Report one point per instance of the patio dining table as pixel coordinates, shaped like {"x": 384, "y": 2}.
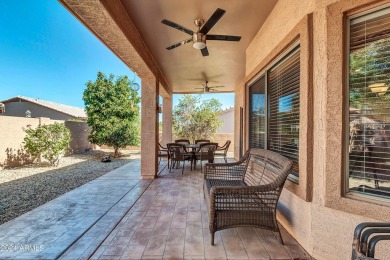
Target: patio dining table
{"x": 192, "y": 146}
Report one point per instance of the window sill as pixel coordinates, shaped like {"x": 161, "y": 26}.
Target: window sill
{"x": 294, "y": 179}
{"x": 361, "y": 205}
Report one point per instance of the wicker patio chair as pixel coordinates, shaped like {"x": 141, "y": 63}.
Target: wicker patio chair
{"x": 245, "y": 193}
{"x": 177, "y": 154}
{"x": 205, "y": 152}
{"x": 222, "y": 150}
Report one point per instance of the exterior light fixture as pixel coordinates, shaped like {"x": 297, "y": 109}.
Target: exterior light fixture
{"x": 135, "y": 86}
{"x": 28, "y": 113}
{"x": 378, "y": 88}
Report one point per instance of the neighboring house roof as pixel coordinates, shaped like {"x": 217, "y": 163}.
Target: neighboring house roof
{"x": 69, "y": 110}
{"x": 227, "y": 110}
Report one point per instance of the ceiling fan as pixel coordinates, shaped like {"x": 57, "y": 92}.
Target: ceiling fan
{"x": 200, "y": 36}
{"x": 208, "y": 89}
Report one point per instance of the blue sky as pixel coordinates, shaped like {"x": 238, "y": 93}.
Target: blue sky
{"x": 46, "y": 53}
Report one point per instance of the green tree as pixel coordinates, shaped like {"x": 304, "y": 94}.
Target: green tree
{"x": 369, "y": 65}
{"x": 113, "y": 111}
{"x": 47, "y": 141}
{"x": 196, "y": 119}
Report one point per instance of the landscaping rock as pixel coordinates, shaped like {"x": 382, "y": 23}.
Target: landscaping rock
{"x": 25, "y": 188}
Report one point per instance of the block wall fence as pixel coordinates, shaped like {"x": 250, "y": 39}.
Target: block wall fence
{"x": 12, "y": 152}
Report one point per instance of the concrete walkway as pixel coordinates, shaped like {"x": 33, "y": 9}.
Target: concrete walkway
{"x": 82, "y": 217}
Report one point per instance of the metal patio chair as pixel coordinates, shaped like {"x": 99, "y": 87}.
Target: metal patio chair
{"x": 222, "y": 150}
{"x": 178, "y": 153}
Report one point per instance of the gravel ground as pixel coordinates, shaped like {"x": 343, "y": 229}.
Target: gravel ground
{"x": 25, "y": 188}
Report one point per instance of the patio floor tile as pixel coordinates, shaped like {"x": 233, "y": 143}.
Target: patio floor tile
{"x": 163, "y": 219}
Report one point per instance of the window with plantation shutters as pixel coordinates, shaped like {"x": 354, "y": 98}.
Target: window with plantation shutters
{"x": 274, "y": 108}
{"x": 283, "y": 125}
{"x": 257, "y": 114}
{"x": 368, "y": 126}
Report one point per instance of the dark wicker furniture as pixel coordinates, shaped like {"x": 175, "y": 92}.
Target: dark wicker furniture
{"x": 245, "y": 193}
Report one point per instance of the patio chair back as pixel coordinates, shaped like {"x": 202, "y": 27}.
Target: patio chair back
{"x": 266, "y": 168}
{"x": 201, "y": 141}
{"x": 162, "y": 152}
{"x": 178, "y": 153}
{"x": 205, "y": 152}
{"x": 182, "y": 141}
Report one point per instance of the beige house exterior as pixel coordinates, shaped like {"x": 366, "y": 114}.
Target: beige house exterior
{"x": 316, "y": 210}
{"x": 227, "y": 116}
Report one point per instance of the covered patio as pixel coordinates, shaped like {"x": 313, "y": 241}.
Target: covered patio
{"x": 165, "y": 218}
{"x": 293, "y": 83}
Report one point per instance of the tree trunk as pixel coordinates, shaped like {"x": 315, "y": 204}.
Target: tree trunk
{"x": 116, "y": 153}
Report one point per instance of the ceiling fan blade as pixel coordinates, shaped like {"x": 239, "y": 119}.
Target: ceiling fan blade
{"x": 205, "y": 51}
{"x": 223, "y": 37}
{"x": 216, "y": 86}
{"x": 179, "y": 44}
{"x": 177, "y": 26}
{"x": 212, "y": 20}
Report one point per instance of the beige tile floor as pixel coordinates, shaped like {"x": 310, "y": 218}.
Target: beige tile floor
{"x": 170, "y": 221}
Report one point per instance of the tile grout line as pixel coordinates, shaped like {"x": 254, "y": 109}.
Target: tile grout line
{"x": 79, "y": 237}
{"x": 127, "y": 211}
{"x": 169, "y": 230}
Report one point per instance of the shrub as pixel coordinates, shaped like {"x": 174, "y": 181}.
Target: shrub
{"x": 47, "y": 141}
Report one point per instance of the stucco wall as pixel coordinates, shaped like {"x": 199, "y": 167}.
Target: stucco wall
{"x": 221, "y": 139}
{"x": 12, "y": 152}
{"x": 19, "y": 109}
{"x": 324, "y": 232}
{"x": 228, "y": 121}
{"x": 79, "y": 132}
{"x": 283, "y": 18}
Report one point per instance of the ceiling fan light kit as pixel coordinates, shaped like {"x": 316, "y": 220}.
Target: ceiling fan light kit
{"x": 199, "y": 41}
{"x": 199, "y": 38}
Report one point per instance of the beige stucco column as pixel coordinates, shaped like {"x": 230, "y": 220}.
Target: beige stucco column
{"x": 166, "y": 120}
{"x": 149, "y": 128}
